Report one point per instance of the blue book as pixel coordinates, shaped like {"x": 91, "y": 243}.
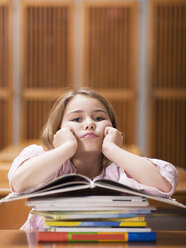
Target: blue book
{"x": 141, "y": 237}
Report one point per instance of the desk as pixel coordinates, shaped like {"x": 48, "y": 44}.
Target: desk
{"x": 20, "y": 239}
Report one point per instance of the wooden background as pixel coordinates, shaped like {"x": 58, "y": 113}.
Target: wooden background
{"x": 6, "y": 88}
{"x": 167, "y": 81}
{"x": 110, "y": 55}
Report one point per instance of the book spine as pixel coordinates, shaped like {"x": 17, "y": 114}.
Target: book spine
{"x": 96, "y": 237}
{"x": 96, "y": 223}
{"x": 142, "y": 237}
{"x": 97, "y": 229}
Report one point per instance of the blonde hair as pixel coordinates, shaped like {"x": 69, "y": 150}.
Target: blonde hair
{"x": 53, "y": 123}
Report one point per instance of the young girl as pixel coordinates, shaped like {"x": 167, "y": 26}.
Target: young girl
{"x": 82, "y": 137}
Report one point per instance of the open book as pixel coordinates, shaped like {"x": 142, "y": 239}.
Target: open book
{"x": 71, "y": 183}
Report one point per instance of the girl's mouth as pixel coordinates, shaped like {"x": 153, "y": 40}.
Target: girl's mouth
{"x": 89, "y": 135}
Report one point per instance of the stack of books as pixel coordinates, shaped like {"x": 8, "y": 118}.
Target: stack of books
{"x": 93, "y": 218}
{"x": 78, "y": 209}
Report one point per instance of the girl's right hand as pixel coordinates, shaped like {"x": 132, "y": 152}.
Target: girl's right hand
{"x": 63, "y": 136}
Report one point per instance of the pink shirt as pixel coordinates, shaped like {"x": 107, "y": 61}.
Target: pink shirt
{"x": 112, "y": 172}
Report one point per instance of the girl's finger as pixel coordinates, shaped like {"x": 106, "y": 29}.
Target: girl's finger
{"x": 106, "y": 131}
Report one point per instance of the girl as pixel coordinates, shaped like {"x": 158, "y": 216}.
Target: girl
{"x": 82, "y": 137}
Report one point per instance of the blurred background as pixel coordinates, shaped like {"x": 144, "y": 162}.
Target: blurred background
{"x": 132, "y": 52}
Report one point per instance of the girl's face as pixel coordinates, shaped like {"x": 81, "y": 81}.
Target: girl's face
{"x": 88, "y": 118}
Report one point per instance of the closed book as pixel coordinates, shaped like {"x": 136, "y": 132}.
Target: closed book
{"x": 96, "y": 223}
{"x": 90, "y": 200}
{"x": 98, "y": 229}
{"x": 96, "y": 237}
{"x": 67, "y": 215}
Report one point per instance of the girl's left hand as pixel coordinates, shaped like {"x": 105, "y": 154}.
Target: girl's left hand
{"x": 112, "y": 136}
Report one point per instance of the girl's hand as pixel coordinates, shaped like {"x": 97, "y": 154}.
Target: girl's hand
{"x": 112, "y": 136}
{"x": 63, "y": 136}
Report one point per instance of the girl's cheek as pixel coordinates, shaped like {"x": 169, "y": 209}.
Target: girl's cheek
{"x": 73, "y": 128}
{"x": 67, "y": 124}
{"x": 108, "y": 124}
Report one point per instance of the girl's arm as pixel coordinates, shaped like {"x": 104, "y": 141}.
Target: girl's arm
{"x": 140, "y": 169}
{"x": 38, "y": 169}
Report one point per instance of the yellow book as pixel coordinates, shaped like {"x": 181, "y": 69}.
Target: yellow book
{"x": 105, "y": 223}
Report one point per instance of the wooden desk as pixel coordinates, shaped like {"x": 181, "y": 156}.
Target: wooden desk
{"x": 13, "y": 214}
{"x": 16, "y": 238}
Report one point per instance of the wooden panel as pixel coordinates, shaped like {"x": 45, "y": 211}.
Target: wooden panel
{"x": 46, "y": 59}
{"x": 125, "y": 118}
{"x": 167, "y": 139}
{"x": 169, "y": 40}
{"x": 5, "y": 73}
{"x": 36, "y": 113}
{"x": 169, "y": 136}
{"x": 110, "y": 54}
{"x": 4, "y": 126}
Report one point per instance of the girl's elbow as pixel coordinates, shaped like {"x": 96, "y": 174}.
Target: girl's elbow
{"x": 166, "y": 186}
{"x": 17, "y": 183}
{"x": 15, "y": 186}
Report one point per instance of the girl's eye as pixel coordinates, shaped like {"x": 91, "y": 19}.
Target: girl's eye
{"x": 98, "y": 118}
{"x": 77, "y": 119}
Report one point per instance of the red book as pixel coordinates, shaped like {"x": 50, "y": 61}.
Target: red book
{"x": 96, "y": 237}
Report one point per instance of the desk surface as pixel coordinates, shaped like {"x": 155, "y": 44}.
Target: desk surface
{"x": 16, "y": 238}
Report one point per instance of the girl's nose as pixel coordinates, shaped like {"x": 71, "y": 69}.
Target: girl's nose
{"x": 90, "y": 125}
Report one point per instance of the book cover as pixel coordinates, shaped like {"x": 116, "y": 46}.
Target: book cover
{"x": 96, "y": 237}
{"x": 74, "y": 208}
{"x": 90, "y": 200}
{"x": 86, "y": 203}
{"x": 97, "y": 229}
{"x": 67, "y": 215}
{"x": 96, "y": 223}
